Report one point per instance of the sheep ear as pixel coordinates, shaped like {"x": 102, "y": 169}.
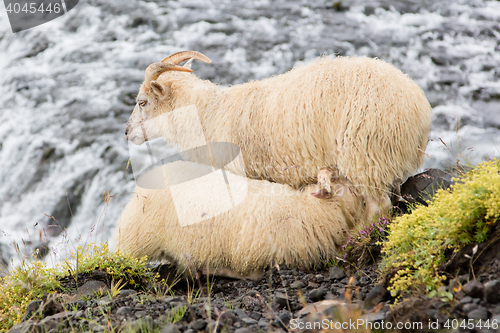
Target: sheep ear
{"x": 159, "y": 89}
{"x": 188, "y": 63}
{"x": 321, "y": 194}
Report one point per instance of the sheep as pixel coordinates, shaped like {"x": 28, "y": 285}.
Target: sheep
{"x": 359, "y": 118}
{"x": 272, "y": 224}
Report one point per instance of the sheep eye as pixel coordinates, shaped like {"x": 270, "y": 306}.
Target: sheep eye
{"x": 142, "y": 102}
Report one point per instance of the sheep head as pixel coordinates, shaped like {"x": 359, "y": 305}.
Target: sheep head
{"x": 153, "y": 94}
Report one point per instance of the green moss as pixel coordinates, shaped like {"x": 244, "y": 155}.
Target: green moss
{"x": 456, "y": 217}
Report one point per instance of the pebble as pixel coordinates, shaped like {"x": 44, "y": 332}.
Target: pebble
{"x": 466, "y": 299}
{"x": 336, "y": 273}
{"x": 283, "y": 320}
{"x": 378, "y": 294}
{"x": 170, "y": 328}
{"x": 492, "y": 291}
{"x": 317, "y": 294}
{"x": 249, "y": 321}
{"x": 91, "y": 288}
{"x": 469, "y": 307}
{"x": 473, "y": 289}
{"x": 126, "y": 292}
{"x": 297, "y": 285}
{"x": 198, "y": 324}
{"x": 31, "y": 309}
{"x": 480, "y": 313}
{"x": 124, "y": 311}
{"x": 241, "y": 330}
{"x": 280, "y": 301}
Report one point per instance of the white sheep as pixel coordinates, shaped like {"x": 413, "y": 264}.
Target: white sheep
{"x": 273, "y": 224}
{"x": 359, "y": 118}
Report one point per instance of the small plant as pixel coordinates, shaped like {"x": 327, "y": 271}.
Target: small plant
{"x": 116, "y": 287}
{"x": 176, "y": 314}
{"x": 369, "y": 235}
{"x": 26, "y": 282}
{"x": 418, "y": 242}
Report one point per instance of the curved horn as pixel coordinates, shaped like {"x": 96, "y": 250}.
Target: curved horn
{"x": 179, "y": 57}
{"x": 155, "y": 70}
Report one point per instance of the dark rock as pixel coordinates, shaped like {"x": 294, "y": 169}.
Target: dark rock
{"x": 436, "y": 315}
{"x": 50, "y": 307}
{"x": 283, "y": 320}
{"x": 28, "y": 326}
{"x": 317, "y": 294}
{"x": 255, "y": 315}
{"x": 31, "y": 309}
{"x": 378, "y": 294}
{"x": 469, "y": 307}
{"x": 99, "y": 275}
{"x": 124, "y": 311}
{"x": 473, "y": 289}
{"x": 48, "y": 325}
{"x": 466, "y": 299}
{"x": 140, "y": 314}
{"x": 249, "y": 321}
{"x": 422, "y": 187}
{"x": 364, "y": 281}
{"x": 80, "y": 304}
{"x": 244, "y": 330}
{"x": 240, "y": 313}
{"x": 170, "y": 328}
{"x": 336, "y": 273}
{"x": 227, "y": 319}
{"x": 263, "y": 322}
{"x": 312, "y": 285}
{"x": 91, "y": 288}
{"x": 190, "y": 314}
{"x": 297, "y": 285}
{"x": 480, "y": 313}
{"x": 492, "y": 291}
{"x": 198, "y": 325}
{"x": 105, "y": 301}
{"x": 280, "y": 301}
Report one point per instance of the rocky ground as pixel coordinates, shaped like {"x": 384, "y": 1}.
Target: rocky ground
{"x": 349, "y": 299}
{"x": 285, "y": 300}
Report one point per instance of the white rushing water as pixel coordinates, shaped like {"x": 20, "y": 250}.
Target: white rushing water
{"x": 67, "y": 89}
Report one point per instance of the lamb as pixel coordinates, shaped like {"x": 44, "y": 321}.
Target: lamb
{"x": 359, "y": 118}
{"x": 272, "y": 224}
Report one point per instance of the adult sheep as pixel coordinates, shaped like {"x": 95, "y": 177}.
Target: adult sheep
{"x": 273, "y": 224}
{"x": 357, "y": 118}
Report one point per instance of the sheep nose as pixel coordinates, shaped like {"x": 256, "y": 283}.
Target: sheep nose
{"x": 126, "y": 130}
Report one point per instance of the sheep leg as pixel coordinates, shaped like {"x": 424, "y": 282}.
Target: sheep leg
{"x": 325, "y": 181}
